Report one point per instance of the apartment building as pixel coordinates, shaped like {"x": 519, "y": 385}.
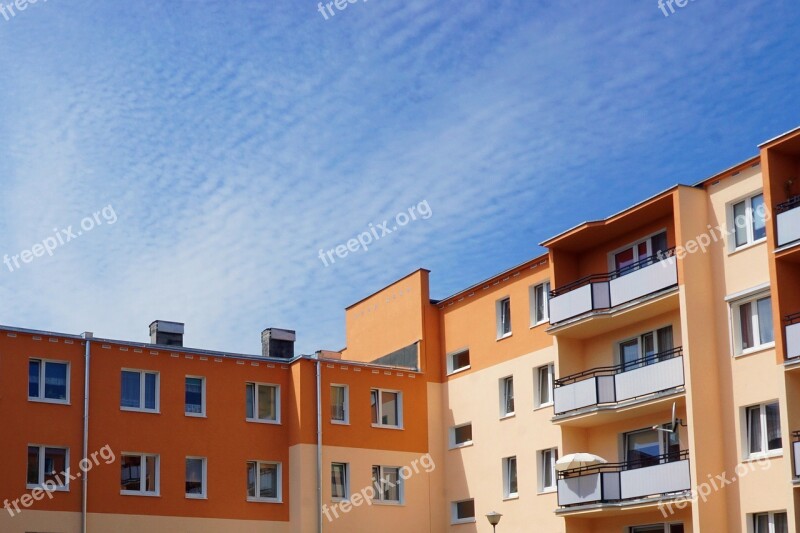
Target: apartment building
{"x": 641, "y": 376}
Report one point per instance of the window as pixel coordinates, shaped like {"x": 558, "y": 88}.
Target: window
{"x": 195, "y": 477}
{"x": 540, "y": 297}
{"x": 264, "y": 481}
{"x": 461, "y": 436}
{"x": 139, "y": 475}
{"x": 639, "y": 254}
{"x": 645, "y": 349}
{"x": 263, "y": 403}
{"x": 770, "y": 523}
{"x": 386, "y": 408}
{"x": 544, "y": 385}
{"x": 510, "y": 478}
{"x": 507, "y": 396}
{"x": 503, "y": 318}
{"x": 457, "y": 361}
{"x": 387, "y": 483}
{"x": 463, "y": 512}
{"x": 749, "y": 221}
{"x": 752, "y": 324}
{"x": 48, "y": 380}
{"x": 763, "y": 429}
{"x": 340, "y": 481}
{"x": 649, "y": 447}
{"x": 657, "y": 528}
{"x": 340, "y": 404}
{"x": 47, "y": 465}
{"x": 547, "y": 469}
{"x": 139, "y": 391}
{"x": 195, "y": 396}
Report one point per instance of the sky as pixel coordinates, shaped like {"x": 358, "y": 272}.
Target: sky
{"x": 188, "y": 160}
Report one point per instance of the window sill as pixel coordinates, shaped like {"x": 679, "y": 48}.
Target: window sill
{"x": 462, "y": 445}
{"x": 507, "y": 416}
{"x": 757, "y": 349}
{"x": 264, "y": 500}
{"x": 511, "y": 497}
{"x": 461, "y": 522}
{"x": 458, "y": 370}
{"x": 390, "y": 504}
{"x": 747, "y": 246}
{"x": 196, "y": 415}
{"x": 196, "y": 497}
{"x": 259, "y": 421}
{"x": 507, "y": 335}
{"x": 48, "y": 400}
{"x": 340, "y": 422}
{"x": 551, "y": 490}
{"x": 540, "y": 323}
{"x": 140, "y": 410}
{"x": 134, "y": 493}
{"x": 384, "y": 426}
{"x": 42, "y": 487}
{"x": 761, "y": 456}
{"x": 543, "y": 406}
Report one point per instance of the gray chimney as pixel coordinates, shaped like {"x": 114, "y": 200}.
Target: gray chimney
{"x": 278, "y": 343}
{"x": 166, "y": 333}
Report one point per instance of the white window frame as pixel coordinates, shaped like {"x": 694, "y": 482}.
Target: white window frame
{"x": 534, "y": 303}
{"x": 455, "y": 445}
{"x": 454, "y": 519}
{"x": 401, "y": 488}
{"x": 751, "y": 526}
{"x": 379, "y": 408}
{"x": 640, "y": 347}
{"x": 144, "y": 457}
{"x": 546, "y": 460}
{"x": 346, "y": 496}
{"x": 255, "y": 418}
{"x": 507, "y": 462}
{"x": 142, "y": 391}
{"x": 612, "y": 263}
{"x": 504, "y": 412}
{"x": 735, "y": 322}
{"x": 550, "y": 368}
{"x": 451, "y": 369}
{"x": 499, "y": 318}
{"x": 60, "y": 487}
{"x": 42, "y": 372}
{"x": 204, "y": 480}
{"x": 345, "y": 407}
{"x": 202, "y": 413}
{"x": 278, "y": 483}
{"x": 765, "y": 451}
{"x": 748, "y": 207}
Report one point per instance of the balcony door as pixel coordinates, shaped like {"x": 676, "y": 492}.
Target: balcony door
{"x": 644, "y": 349}
{"x": 629, "y": 258}
{"x": 650, "y": 447}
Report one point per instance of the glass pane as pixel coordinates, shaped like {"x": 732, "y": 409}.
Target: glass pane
{"x": 194, "y": 476}
{"x": 642, "y": 449}
{"x": 774, "y": 441}
{"x": 150, "y": 391}
{"x": 754, "y": 435}
{"x": 376, "y": 476}
{"x": 55, "y": 463}
{"x": 641, "y": 249}
{"x": 659, "y": 243}
{"x": 676, "y": 528}
{"x": 547, "y": 469}
{"x": 194, "y": 395}
{"x": 131, "y": 472}
{"x": 266, "y": 402}
{"x": 463, "y": 434}
{"x": 740, "y": 223}
{"x": 759, "y": 222}
{"x": 781, "y": 523}
{"x": 746, "y": 325}
{"x": 55, "y": 381}
{"x": 250, "y": 393}
{"x": 391, "y": 485}
{"x": 34, "y": 369}
{"x": 629, "y": 354}
{"x": 765, "y": 332}
{"x": 338, "y": 480}
{"x": 544, "y": 385}
{"x": 251, "y": 480}
{"x": 460, "y": 360}
{"x": 374, "y": 405}
{"x": 505, "y": 316}
{"x": 512, "y": 475}
{"x": 33, "y": 465}
{"x": 540, "y": 295}
{"x": 465, "y": 509}
{"x": 337, "y": 403}
{"x": 761, "y": 523}
{"x": 623, "y": 260}
{"x": 268, "y": 481}
{"x": 389, "y": 409}
{"x": 130, "y": 389}
{"x": 665, "y": 343}
{"x": 648, "y": 347}
{"x": 509, "y": 395}
{"x": 150, "y": 473}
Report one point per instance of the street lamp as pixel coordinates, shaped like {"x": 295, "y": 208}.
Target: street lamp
{"x": 494, "y": 519}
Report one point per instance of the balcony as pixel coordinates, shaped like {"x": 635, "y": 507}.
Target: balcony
{"x": 615, "y": 485}
{"x": 796, "y": 457}
{"x": 793, "y": 336}
{"x": 623, "y": 384}
{"x": 788, "y": 221}
{"x": 606, "y": 292}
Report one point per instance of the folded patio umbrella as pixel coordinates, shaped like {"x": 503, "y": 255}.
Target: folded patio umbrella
{"x": 579, "y": 460}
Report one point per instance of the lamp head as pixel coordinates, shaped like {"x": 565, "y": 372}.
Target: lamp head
{"x": 494, "y": 518}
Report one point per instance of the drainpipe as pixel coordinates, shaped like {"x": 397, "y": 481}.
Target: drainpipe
{"x": 319, "y": 446}
{"x": 84, "y": 481}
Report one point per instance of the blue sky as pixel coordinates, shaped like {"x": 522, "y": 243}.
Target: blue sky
{"x": 235, "y": 140}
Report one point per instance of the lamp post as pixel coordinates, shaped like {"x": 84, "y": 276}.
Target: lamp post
{"x": 494, "y": 519}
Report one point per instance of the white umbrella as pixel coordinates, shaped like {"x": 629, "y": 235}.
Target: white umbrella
{"x": 579, "y": 460}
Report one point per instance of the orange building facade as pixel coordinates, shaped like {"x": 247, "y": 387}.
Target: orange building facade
{"x": 642, "y": 376}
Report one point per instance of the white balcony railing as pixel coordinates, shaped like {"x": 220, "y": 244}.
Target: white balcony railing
{"x": 789, "y": 221}
{"x": 617, "y": 483}
{"x": 793, "y": 337}
{"x": 610, "y": 385}
{"x": 796, "y": 453}
{"x": 605, "y": 291}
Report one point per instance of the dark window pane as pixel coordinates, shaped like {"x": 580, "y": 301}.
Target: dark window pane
{"x": 130, "y": 389}
{"x": 131, "y": 472}
{"x": 150, "y": 391}
{"x": 34, "y": 371}
{"x": 55, "y": 381}
{"x": 33, "y": 465}
{"x": 194, "y": 395}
